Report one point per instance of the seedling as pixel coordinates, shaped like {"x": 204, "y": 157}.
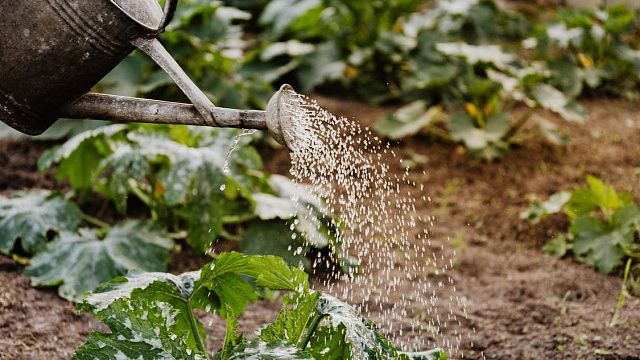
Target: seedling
{"x": 604, "y": 225}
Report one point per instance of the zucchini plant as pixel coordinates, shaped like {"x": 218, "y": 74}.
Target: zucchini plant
{"x": 479, "y": 103}
{"x": 47, "y": 225}
{"x": 604, "y": 225}
{"x": 189, "y": 181}
{"x": 591, "y": 50}
{"x": 151, "y": 316}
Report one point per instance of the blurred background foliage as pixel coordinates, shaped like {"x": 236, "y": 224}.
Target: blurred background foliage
{"x": 456, "y": 68}
{"x": 459, "y": 66}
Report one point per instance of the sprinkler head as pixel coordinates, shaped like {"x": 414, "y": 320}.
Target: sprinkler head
{"x": 280, "y": 117}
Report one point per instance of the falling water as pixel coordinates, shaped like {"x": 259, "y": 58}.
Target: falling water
{"x": 345, "y": 165}
{"x": 234, "y": 145}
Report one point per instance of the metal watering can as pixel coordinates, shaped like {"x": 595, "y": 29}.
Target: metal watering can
{"x": 53, "y": 51}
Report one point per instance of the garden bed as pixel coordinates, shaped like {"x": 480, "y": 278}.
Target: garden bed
{"x": 522, "y": 303}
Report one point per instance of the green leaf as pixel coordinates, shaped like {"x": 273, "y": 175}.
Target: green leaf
{"x": 219, "y": 286}
{"x": 485, "y": 142}
{"x": 553, "y": 99}
{"x": 296, "y": 321}
{"x": 79, "y": 157}
{"x": 259, "y": 350}
{"x": 539, "y": 210}
{"x": 29, "y": 216}
{"x": 330, "y": 343}
{"x": 603, "y": 244}
{"x": 598, "y": 195}
{"x": 491, "y": 54}
{"x": 408, "y": 120}
{"x": 327, "y": 328}
{"x": 322, "y": 66}
{"x": 124, "y": 165}
{"x": 551, "y": 132}
{"x": 366, "y": 342}
{"x": 176, "y": 290}
{"x": 274, "y": 237}
{"x": 558, "y": 246}
{"x": 280, "y": 14}
{"x": 231, "y": 338}
{"x": 223, "y": 278}
{"x": 81, "y": 261}
{"x": 140, "y": 329}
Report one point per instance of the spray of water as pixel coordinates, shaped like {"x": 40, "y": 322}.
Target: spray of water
{"x": 350, "y": 168}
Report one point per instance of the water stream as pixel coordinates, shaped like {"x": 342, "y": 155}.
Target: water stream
{"x": 234, "y": 145}
{"x": 403, "y": 283}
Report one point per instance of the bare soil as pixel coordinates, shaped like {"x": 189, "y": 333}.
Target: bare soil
{"x": 522, "y": 303}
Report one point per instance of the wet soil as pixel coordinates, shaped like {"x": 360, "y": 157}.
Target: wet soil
{"x": 522, "y": 303}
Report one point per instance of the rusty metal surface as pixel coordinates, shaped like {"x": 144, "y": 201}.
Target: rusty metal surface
{"x": 53, "y": 51}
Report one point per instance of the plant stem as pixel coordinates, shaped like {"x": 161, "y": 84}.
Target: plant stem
{"x": 195, "y": 330}
{"x": 306, "y": 335}
{"x": 436, "y": 131}
{"x": 97, "y": 222}
{"x": 228, "y": 236}
{"x": 622, "y": 296}
{"x": 237, "y": 219}
{"x": 521, "y": 121}
{"x": 135, "y": 189}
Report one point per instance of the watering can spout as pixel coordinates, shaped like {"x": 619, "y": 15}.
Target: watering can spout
{"x": 276, "y": 119}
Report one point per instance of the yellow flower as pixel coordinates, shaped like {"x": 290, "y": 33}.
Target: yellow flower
{"x": 350, "y": 71}
{"x": 471, "y": 109}
{"x": 585, "y": 60}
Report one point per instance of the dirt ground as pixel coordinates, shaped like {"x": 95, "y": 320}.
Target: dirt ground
{"x": 522, "y": 303}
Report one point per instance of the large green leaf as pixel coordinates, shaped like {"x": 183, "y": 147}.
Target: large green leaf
{"x": 126, "y": 302}
{"x": 124, "y": 165}
{"x": 140, "y": 329}
{"x": 408, "y": 120}
{"x": 224, "y": 279}
{"x": 310, "y": 325}
{"x": 485, "y": 142}
{"x": 280, "y": 14}
{"x": 603, "y": 244}
{"x": 29, "y": 216}
{"x": 553, "y": 99}
{"x": 274, "y": 237}
{"x": 327, "y": 328}
{"x": 79, "y": 262}
{"x": 491, "y": 54}
{"x": 598, "y": 195}
{"x": 79, "y": 157}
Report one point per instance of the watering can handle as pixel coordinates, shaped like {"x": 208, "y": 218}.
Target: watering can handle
{"x": 169, "y": 10}
{"x": 154, "y": 49}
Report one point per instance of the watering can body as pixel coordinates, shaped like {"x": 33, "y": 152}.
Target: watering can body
{"x": 53, "y": 51}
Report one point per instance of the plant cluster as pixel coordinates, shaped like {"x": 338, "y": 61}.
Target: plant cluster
{"x": 604, "y": 225}
{"x": 591, "y": 50}
{"x": 433, "y": 57}
{"x": 151, "y": 316}
{"x": 595, "y": 48}
{"x": 190, "y": 187}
